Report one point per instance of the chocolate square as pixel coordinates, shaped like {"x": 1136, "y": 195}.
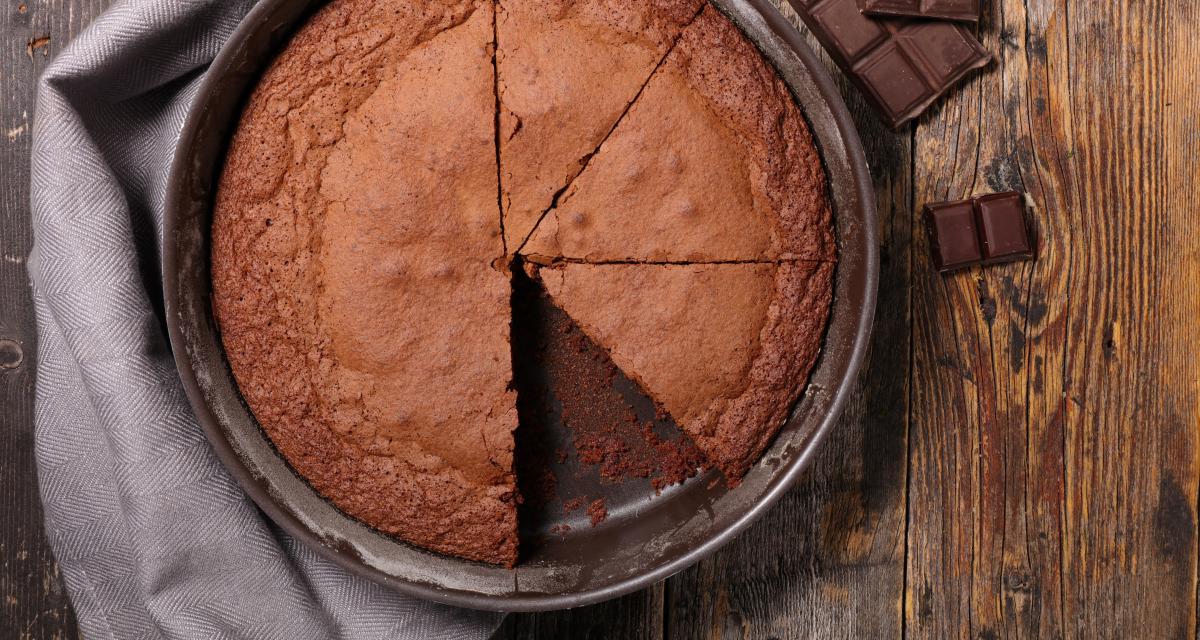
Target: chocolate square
{"x": 948, "y": 54}
{"x": 953, "y": 235}
{"x": 894, "y": 79}
{"x": 1003, "y": 228}
{"x": 857, "y": 33}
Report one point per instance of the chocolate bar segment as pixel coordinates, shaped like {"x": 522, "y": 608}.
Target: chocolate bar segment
{"x": 901, "y": 66}
{"x": 965, "y": 10}
{"x": 953, "y": 235}
{"x": 986, "y": 229}
{"x": 1003, "y": 229}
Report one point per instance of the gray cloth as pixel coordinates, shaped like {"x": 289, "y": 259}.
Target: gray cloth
{"x": 155, "y": 540}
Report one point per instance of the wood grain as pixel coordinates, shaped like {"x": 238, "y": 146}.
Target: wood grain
{"x": 33, "y": 603}
{"x": 1021, "y": 456}
{"x": 1054, "y": 477}
{"x": 638, "y": 616}
{"x": 1130, "y": 376}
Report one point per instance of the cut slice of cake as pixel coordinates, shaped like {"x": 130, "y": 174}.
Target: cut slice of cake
{"x": 568, "y": 70}
{"x": 713, "y": 163}
{"x": 726, "y": 349}
{"x": 354, "y": 231}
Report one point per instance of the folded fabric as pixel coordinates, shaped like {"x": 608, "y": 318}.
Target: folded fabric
{"x": 154, "y": 538}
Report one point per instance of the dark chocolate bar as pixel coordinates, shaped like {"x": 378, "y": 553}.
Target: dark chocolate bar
{"x": 965, "y": 10}
{"x": 986, "y": 229}
{"x": 901, "y": 66}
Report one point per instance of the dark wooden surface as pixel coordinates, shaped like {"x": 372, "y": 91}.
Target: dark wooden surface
{"x": 1021, "y": 458}
{"x": 33, "y": 602}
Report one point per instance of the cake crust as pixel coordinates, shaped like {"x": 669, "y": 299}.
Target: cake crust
{"x": 714, "y": 163}
{"x": 356, "y": 218}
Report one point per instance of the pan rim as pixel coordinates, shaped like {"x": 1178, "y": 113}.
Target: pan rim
{"x": 848, "y": 366}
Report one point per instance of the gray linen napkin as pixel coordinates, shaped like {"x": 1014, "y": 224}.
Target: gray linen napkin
{"x": 155, "y": 540}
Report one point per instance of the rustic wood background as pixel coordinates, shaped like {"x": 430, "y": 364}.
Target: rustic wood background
{"x": 1021, "y": 459}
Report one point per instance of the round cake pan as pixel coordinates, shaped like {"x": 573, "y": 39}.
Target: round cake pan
{"x": 646, "y": 537}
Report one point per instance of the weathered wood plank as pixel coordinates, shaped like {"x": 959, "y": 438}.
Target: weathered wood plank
{"x": 827, "y": 562}
{"x": 1132, "y": 403}
{"x": 638, "y": 616}
{"x": 33, "y": 603}
{"x": 1054, "y": 483}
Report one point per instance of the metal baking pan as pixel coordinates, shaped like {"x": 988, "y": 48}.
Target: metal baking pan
{"x": 646, "y": 537}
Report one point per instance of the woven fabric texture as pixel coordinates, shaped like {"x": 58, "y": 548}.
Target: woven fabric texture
{"x": 154, "y": 538}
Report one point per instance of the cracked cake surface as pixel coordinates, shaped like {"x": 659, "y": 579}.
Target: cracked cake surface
{"x": 714, "y": 163}
{"x": 384, "y": 177}
{"x": 568, "y": 70}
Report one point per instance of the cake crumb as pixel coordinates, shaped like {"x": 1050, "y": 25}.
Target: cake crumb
{"x": 597, "y": 511}
{"x": 574, "y": 504}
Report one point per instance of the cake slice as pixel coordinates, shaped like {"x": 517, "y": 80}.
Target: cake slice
{"x": 567, "y": 71}
{"x": 726, "y": 349}
{"x": 354, "y": 230}
{"x": 713, "y": 163}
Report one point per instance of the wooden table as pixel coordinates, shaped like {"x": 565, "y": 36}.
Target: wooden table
{"x": 1021, "y": 457}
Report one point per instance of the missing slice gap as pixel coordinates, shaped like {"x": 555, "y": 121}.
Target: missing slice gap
{"x": 496, "y": 120}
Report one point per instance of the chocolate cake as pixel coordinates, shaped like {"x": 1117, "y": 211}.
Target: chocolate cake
{"x": 383, "y": 178}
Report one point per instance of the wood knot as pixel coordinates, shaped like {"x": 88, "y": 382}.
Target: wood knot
{"x": 11, "y": 355}
{"x": 1112, "y": 340}
{"x": 1018, "y": 582}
